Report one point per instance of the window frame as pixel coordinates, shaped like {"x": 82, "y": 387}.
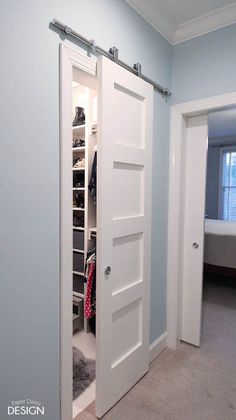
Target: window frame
{"x": 223, "y": 150}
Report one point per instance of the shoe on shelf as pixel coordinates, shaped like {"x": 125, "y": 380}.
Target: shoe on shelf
{"x": 75, "y": 143}
{"x": 79, "y": 200}
{"x": 78, "y": 143}
{"x": 78, "y": 221}
{"x": 79, "y": 184}
{"x": 80, "y": 163}
{"x": 79, "y": 116}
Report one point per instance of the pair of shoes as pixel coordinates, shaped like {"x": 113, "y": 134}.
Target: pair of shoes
{"x": 78, "y": 200}
{"x": 78, "y": 221}
{"x": 80, "y": 163}
{"x": 79, "y": 184}
{"x": 79, "y": 116}
{"x": 78, "y": 143}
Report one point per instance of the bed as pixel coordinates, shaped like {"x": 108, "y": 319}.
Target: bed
{"x": 220, "y": 247}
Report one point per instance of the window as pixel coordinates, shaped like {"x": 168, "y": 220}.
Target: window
{"x": 228, "y": 184}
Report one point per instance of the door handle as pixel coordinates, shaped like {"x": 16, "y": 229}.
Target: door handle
{"x": 195, "y": 245}
{"x": 107, "y": 270}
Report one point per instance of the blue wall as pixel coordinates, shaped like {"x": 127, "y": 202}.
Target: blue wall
{"x": 204, "y": 66}
{"x": 29, "y": 180}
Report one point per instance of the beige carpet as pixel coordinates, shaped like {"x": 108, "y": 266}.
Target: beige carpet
{"x": 190, "y": 383}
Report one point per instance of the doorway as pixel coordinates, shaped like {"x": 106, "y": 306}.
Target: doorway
{"x": 180, "y": 115}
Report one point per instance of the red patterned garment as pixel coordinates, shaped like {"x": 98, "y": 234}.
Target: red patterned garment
{"x": 88, "y": 307}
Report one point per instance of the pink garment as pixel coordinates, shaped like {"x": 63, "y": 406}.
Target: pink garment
{"x": 88, "y": 311}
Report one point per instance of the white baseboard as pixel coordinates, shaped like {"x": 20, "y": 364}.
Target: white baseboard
{"x": 157, "y": 346}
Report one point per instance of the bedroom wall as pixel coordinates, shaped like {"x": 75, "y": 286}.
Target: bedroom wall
{"x": 29, "y": 180}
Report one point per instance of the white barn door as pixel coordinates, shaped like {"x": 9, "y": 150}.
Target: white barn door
{"x": 193, "y": 228}
{"x": 125, "y": 120}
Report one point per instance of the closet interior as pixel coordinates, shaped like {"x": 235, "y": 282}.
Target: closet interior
{"x": 84, "y": 174}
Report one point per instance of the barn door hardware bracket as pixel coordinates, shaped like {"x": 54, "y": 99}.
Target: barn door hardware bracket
{"x": 138, "y": 69}
{"x": 112, "y": 54}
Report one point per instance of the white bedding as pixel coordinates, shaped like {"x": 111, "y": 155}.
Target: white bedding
{"x": 220, "y": 243}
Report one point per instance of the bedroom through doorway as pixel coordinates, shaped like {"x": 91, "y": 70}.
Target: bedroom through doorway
{"x": 219, "y": 270}
{"x": 207, "y": 243}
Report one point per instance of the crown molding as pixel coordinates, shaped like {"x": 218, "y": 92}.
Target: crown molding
{"x": 190, "y": 29}
{"x": 162, "y": 24}
{"x": 204, "y": 24}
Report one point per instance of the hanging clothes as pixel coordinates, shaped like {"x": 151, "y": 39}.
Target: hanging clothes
{"x": 90, "y": 297}
{"x": 93, "y": 180}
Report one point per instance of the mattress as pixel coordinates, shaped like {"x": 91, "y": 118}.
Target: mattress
{"x": 220, "y": 243}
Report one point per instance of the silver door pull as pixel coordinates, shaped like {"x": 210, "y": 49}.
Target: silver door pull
{"x": 107, "y": 270}
{"x": 195, "y": 245}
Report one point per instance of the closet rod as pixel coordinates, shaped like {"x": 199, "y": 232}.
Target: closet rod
{"x": 112, "y": 54}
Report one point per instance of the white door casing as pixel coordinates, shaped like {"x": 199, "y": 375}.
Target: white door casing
{"x": 179, "y": 114}
{"x": 194, "y": 187}
{"x": 125, "y": 120}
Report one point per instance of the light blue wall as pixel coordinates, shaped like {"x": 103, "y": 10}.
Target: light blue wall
{"x": 29, "y": 180}
{"x": 204, "y": 66}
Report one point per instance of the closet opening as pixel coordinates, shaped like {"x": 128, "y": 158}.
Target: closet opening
{"x": 84, "y": 195}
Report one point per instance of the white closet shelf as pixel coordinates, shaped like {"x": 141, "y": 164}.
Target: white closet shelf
{"x": 76, "y": 316}
{"x": 80, "y": 251}
{"x": 78, "y": 228}
{"x": 78, "y": 127}
{"x": 79, "y": 149}
{"x": 81, "y": 295}
{"x": 78, "y": 209}
{"x": 78, "y": 273}
{"x": 79, "y": 169}
{"x": 79, "y": 189}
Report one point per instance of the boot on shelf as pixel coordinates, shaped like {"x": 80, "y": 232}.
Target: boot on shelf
{"x": 79, "y": 116}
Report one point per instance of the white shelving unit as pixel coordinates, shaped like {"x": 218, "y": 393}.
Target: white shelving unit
{"x": 85, "y": 97}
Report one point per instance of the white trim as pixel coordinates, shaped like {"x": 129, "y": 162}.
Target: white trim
{"x": 177, "y": 126}
{"x": 209, "y": 22}
{"x": 157, "y": 346}
{"x": 68, "y": 59}
{"x": 165, "y": 25}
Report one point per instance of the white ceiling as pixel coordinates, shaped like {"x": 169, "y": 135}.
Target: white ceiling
{"x": 222, "y": 123}
{"x": 179, "y": 20}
